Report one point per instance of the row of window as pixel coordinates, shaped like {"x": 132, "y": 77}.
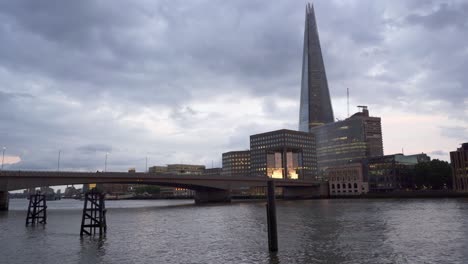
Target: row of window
{"x": 349, "y": 178}
{"x": 281, "y": 136}
{"x": 236, "y": 162}
{"x": 333, "y": 173}
{"x": 230, "y": 156}
{"x": 344, "y": 185}
{"x": 344, "y": 191}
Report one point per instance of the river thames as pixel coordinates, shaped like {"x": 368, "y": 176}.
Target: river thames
{"x": 177, "y": 231}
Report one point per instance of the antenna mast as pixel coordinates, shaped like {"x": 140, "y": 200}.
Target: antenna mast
{"x": 347, "y": 95}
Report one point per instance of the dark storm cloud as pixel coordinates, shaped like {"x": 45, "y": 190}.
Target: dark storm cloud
{"x": 446, "y": 15}
{"x": 110, "y": 47}
{"x": 106, "y": 49}
{"x": 88, "y": 76}
{"x": 95, "y": 148}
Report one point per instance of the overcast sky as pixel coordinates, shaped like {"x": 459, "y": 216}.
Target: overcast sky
{"x": 184, "y": 81}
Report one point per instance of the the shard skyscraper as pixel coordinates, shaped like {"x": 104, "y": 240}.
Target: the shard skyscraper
{"x": 315, "y": 108}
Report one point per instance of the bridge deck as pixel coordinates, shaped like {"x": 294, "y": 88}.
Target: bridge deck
{"x": 14, "y": 180}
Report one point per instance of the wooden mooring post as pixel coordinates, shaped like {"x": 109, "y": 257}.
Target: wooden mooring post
{"x": 37, "y": 209}
{"x": 271, "y": 217}
{"x": 94, "y": 214}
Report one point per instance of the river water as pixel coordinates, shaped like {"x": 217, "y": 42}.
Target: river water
{"x": 177, "y": 231}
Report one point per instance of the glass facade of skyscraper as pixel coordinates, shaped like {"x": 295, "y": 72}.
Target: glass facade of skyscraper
{"x": 357, "y": 137}
{"x": 315, "y": 107}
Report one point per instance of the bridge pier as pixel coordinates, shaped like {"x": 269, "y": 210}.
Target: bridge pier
{"x": 4, "y": 201}
{"x": 212, "y": 196}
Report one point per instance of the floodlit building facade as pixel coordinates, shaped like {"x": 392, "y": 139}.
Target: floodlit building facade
{"x": 283, "y": 154}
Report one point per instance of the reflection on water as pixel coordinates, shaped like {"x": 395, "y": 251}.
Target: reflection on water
{"x": 177, "y": 231}
{"x": 92, "y": 249}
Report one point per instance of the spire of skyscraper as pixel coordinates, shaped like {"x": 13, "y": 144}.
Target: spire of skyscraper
{"x": 315, "y": 108}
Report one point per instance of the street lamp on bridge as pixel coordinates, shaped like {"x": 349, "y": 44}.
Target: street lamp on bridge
{"x": 3, "y": 156}
{"x": 58, "y": 161}
{"x": 105, "y": 162}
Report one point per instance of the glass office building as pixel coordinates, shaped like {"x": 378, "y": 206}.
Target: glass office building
{"x": 392, "y": 172}
{"x": 315, "y": 107}
{"x": 357, "y": 137}
{"x": 283, "y": 154}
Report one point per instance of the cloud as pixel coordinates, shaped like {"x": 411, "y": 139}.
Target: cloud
{"x": 95, "y": 148}
{"x": 456, "y": 132}
{"x": 438, "y": 153}
{"x": 185, "y": 81}
{"x": 446, "y": 15}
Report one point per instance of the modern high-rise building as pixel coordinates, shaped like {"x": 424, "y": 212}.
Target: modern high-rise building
{"x": 459, "y": 161}
{"x": 315, "y": 108}
{"x": 236, "y": 163}
{"x": 357, "y": 137}
{"x": 283, "y": 154}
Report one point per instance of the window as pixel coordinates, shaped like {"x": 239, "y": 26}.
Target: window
{"x": 355, "y": 185}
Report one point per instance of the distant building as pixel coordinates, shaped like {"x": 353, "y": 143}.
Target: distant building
{"x": 236, "y": 163}
{"x": 185, "y": 168}
{"x": 357, "y": 137}
{"x": 392, "y": 172}
{"x": 171, "y": 192}
{"x": 72, "y": 192}
{"x": 346, "y": 180}
{"x": 178, "y": 169}
{"x": 283, "y": 154}
{"x": 117, "y": 188}
{"x": 459, "y": 161}
{"x": 46, "y": 190}
{"x": 213, "y": 172}
{"x": 182, "y": 192}
{"x": 157, "y": 169}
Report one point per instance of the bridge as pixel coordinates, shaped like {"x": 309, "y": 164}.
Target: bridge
{"x": 213, "y": 188}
